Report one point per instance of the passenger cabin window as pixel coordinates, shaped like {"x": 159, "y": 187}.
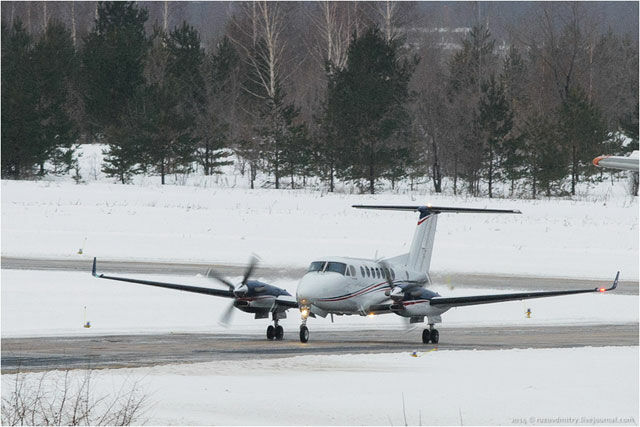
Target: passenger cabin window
{"x": 353, "y": 270}
{"x": 378, "y": 272}
{"x": 336, "y": 267}
{"x": 316, "y": 266}
{"x": 393, "y": 275}
{"x": 368, "y": 273}
{"x": 362, "y": 271}
{"x": 348, "y": 272}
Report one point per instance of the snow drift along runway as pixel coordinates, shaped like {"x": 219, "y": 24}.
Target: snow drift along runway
{"x": 593, "y": 386}
{"x": 558, "y": 238}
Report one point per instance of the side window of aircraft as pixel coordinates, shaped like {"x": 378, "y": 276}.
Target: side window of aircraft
{"x": 316, "y": 266}
{"x": 378, "y": 272}
{"x": 362, "y": 271}
{"x": 393, "y": 275}
{"x": 347, "y": 272}
{"x": 368, "y": 274}
{"x": 336, "y": 267}
{"x": 353, "y": 270}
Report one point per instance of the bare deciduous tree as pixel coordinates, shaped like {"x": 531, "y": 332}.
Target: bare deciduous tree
{"x": 48, "y": 399}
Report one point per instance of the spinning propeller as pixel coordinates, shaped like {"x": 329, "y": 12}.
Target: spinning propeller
{"x": 239, "y": 291}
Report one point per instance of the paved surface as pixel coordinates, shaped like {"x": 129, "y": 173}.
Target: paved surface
{"x": 462, "y": 280}
{"x": 45, "y": 353}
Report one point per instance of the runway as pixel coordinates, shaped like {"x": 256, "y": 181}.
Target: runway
{"x": 625, "y": 287}
{"x": 116, "y": 351}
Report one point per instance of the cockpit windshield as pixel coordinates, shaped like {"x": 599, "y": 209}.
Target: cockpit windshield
{"x": 316, "y": 266}
{"x": 337, "y": 267}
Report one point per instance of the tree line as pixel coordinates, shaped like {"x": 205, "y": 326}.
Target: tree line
{"x": 338, "y": 91}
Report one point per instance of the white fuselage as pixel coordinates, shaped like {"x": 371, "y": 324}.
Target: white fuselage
{"x": 353, "y": 286}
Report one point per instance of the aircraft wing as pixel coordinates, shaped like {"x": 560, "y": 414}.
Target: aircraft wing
{"x": 186, "y": 288}
{"x": 628, "y": 163}
{"x": 286, "y": 302}
{"x": 488, "y": 299}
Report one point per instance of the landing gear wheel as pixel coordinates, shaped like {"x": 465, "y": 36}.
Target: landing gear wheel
{"x": 435, "y": 336}
{"x": 271, "y": 332}
{"x": 304, "y": 334}
{"x": 279, "y": 332}
{"x": 426, "y": 336}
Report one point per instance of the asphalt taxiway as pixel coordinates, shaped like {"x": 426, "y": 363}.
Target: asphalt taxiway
{"x": 115, "y": 351}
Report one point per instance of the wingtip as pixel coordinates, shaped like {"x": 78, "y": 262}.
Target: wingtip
{"x": 93, "y": 270}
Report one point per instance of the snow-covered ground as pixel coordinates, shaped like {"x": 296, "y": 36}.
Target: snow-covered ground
{"x": 36, "y": 303}
{"x": 592, "y": 386}
{"x": 561, "y": 238}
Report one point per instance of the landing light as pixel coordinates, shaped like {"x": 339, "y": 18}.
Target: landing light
{"x": 305, "y": 313}
{"x": 371, "y": 315}
{"x": 601, "y": 289}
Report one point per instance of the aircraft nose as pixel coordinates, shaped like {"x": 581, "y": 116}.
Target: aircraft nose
{"x": 307, "y": 291}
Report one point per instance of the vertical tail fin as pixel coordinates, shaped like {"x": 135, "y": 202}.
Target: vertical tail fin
{"x": 419, "y": 256}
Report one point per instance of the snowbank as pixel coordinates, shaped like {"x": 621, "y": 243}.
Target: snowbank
{"x": 594, "y": 386}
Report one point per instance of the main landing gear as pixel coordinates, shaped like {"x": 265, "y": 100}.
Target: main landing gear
{"x": 430, "y": 334}
{"x": 275, "y": 330}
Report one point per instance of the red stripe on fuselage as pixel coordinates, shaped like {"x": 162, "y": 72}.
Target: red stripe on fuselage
{"x": 360, "y": 292}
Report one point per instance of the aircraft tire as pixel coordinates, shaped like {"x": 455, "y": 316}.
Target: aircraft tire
{"x": 271, "y": 332}
{"x": 279, "y": 332}
{"x": 435, "y": 336}
{"x": 426, "y": 336}
{"x": 304, "y": 334}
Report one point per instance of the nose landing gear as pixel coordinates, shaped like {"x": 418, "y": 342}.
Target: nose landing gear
{"x": 304, "y": 331}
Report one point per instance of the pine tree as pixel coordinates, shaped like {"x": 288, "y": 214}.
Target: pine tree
{"x": 469, "y": 68}
{"x": 54, "y": 63}
{"x": 583, "y": 131}
{"x": 215, "y": 121}
{"x": 496, "y": 121}
{"x": 367, "y": 107}
{"x": 20, "y": 120}
{"x": 546, "y": 159}
{"x": 113, "y": 61}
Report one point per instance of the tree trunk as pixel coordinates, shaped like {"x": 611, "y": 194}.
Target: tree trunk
{"x": 207, "y": 163}
{"x": 292, "y": 182}
{"x": 73, "y": 24}
{"x": 372, "y": 180}
{"x": 162, "y": 171}
{"x": 331, "y": 179}
{"x": 490, "y": 172}
{"x": 252, "y": 173}
{"x": 574, "y": 169}
{"x": 533, "y": 188}
{"x": 455, "y": 175}
{"x": 276, "y": 167}
{"x": 435, "y": 169}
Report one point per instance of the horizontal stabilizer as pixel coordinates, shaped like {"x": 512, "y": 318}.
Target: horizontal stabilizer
{"x": 427, "y": 209}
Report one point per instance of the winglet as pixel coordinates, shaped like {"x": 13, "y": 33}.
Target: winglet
{"x": 613, "y": 286}
{"x": 93, "y": 270}
{"x": 615, "y": 282}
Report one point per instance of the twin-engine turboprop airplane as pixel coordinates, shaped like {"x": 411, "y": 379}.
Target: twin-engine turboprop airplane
{"x": 358, "y": 286}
